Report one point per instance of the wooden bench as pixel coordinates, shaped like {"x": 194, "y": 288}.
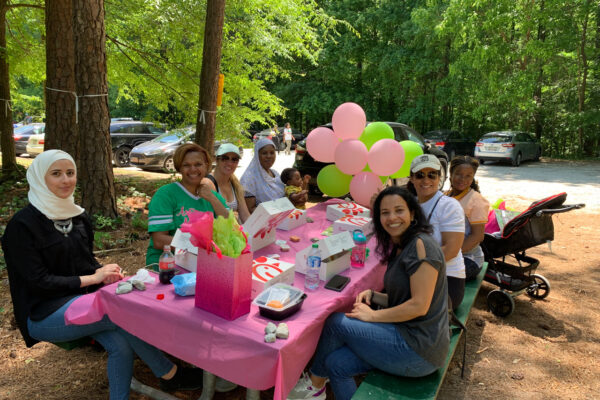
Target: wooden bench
{"x": 380, "y": 385}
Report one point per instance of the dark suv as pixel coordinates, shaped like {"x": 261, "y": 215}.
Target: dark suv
{"x": 125, "y": 135}
{"x": 307, "y": 165}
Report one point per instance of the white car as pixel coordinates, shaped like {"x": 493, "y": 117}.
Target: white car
{"x": 35, "y": 145}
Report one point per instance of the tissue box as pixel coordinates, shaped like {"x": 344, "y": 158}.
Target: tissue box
{"x": 350, "y": 223}
{"x": 260, "y": 226}
{"x": 293, "y": 220}
{"x": 335, "y": 255}
{"x": 186, "y": 254}
{"x": 337, "y": 211}
{"x": 269, "y": 271}
{"x": 224, "y": 285}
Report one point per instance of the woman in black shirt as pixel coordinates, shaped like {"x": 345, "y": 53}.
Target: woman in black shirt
{"x": 48, "y": 251}
{"x": 409, "y": 335}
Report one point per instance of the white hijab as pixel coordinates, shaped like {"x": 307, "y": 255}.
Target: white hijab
{"x": 257, "y": 182}
{"x": 41, "y": 197}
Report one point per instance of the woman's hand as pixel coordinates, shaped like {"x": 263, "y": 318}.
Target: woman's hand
{"x": 107, "y": 274}
{"x": 205, "y": 191}
{"x": 365, "y": 297}
{"x": 361, "y": 311}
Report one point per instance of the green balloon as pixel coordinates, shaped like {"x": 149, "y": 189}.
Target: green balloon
{"x": 376, "y": 131}
{"x": 333, "y": 182}
{"x": 411, "y": 150}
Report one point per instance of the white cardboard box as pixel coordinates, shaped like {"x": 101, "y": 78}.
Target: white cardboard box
{"x": 335, "y": 255}
{"x": 294, "y": 219}
{"x": 185, "y": 252}
{"x": 337, "y": 211}
{"x": 350, "y": 223}
{"x": 269, "y": 271}
{"x": 260, "y": 226}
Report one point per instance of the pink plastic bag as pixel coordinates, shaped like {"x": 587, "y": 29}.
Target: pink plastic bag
{"x": 200, "y": 226}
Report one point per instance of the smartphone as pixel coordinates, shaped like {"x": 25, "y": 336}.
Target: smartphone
{"x": 337, "y": 283}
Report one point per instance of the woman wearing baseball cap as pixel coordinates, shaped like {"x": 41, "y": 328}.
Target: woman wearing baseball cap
{"x": 225, "y": 181}
{"x": 446, "y": 216}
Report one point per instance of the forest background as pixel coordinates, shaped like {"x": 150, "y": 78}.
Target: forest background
{"x": 476, "y": 66}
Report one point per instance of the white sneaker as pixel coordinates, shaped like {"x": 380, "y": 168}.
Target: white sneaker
{"x": 304, "y": 390}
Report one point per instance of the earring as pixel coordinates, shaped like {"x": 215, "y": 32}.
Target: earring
{"x": 413, "y": 222}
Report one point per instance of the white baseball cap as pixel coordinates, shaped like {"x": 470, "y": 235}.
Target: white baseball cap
{"x": 425, "y": 161}
{"x": 228, "y": 148}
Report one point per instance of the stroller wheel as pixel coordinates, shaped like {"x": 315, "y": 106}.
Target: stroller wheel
{"x": 500, "y": 303}
{"x": 539, "y": 288}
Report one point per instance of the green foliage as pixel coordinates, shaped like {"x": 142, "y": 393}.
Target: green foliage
{"x": 155, "y": 49}
{"x": 475, "y": 66}
{"x": 106, "y": 223}
{"x": 140, "y": 221}
{"x": 102, "y": 240}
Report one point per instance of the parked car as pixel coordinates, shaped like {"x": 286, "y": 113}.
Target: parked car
{"x": 452, "y": 142}
{"x": 299, "y": 136}
{"x": 35, "y": 144}
{"x": 510, "y": 146}
{"x": 125, "y": 135}
{"x": 157, "y": 154}
{"x": 307, "y": 165}
{"x": 22, "y": 134}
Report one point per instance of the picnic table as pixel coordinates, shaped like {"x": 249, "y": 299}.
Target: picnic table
{"x": 234, "y": 350}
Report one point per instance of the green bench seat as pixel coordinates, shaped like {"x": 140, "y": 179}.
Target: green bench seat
{"x": 380, "y": 385}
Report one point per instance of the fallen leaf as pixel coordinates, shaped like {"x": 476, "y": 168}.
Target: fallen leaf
{"x": 516, "y": 360}
{"x": 29, "y": 360}
{"x": 482, "y": 350}
{"x": 517, "y": 376}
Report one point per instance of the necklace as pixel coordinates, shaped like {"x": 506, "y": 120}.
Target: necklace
{"x": 64, "y": 226}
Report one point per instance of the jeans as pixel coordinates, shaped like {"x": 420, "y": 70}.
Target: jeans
{"x": 120, "y": 345}
{"x": 349, "y": 347}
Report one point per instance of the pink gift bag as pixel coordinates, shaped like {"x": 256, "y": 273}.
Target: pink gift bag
{"x": 224, "y": 285}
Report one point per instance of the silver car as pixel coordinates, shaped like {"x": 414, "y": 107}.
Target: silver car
{"x": 508, "y": 146}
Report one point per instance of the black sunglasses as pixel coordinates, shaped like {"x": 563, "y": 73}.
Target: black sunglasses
{"x": 227, "y": 158}
{"x": 431, "y": 175}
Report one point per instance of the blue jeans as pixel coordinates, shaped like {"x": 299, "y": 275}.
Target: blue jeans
{"x": 120, "y": 345}
{"x": 349, "y": 347}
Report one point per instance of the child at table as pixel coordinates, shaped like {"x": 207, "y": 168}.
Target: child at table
{"x": 296, "y": 187}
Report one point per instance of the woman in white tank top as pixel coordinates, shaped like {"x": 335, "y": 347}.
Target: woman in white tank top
{"x": 225, "y": 181}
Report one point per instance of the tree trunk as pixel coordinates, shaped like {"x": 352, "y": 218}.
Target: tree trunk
{"x": 61, "y": 130}
{"x": 7, "y": 142}
{"x": 209, "y": 75}
{"x": 96, "y": 175}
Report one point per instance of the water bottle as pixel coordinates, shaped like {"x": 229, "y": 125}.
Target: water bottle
{"x": 313, "y": 267}
{"x": 359, "y": 251}
{"x": 166, "y": 265}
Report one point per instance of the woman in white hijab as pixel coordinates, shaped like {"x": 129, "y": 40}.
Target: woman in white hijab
{"x": 260, "y": 182}
{"x": 48, "y": 251}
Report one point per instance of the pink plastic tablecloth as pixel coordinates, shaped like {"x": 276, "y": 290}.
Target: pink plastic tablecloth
{"x": 234, "y": 350}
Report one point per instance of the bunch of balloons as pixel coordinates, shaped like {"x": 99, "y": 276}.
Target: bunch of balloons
{"x": 364, "y": 156}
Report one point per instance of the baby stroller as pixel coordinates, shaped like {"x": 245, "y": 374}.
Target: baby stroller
{"x": 508, "y": 266}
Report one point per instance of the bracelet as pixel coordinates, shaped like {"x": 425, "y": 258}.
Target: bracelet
{"x": 372, "y": 294}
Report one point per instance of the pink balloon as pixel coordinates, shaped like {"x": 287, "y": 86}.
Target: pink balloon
{"x": 386, "y": 157}
{"x": 321, "y": 143}
{"x": 349, "y": 120}
{"x": 351, "y": 156}
{"x": 363, "y": 186}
